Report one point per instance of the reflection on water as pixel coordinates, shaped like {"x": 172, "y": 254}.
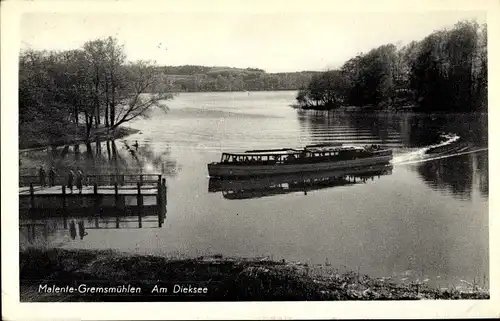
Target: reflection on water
{"x": 63, "y": 231}
{"x": 459, "y": 176}
{"x": 426, "y": 219}
{"x": 406, "y": 133}
{"x": 102, "y": 158}
{"x": 301, "y": 182}
{"x": 397, "y": 130}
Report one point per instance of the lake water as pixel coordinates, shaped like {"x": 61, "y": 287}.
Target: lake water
{"x": 426, "y": 219}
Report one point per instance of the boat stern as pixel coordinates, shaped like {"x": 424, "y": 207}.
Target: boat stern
{"x": 215, "y": 170}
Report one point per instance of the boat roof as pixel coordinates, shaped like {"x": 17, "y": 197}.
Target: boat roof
{"x": 331, "y": 148}
{"x": 273, "y": 151}
{"x": 286, "y": 151}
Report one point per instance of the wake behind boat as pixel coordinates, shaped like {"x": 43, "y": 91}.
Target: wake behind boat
{"x": 320, "y": 157}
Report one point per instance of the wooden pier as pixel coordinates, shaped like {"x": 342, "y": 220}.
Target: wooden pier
{"x": 138, "y": 195}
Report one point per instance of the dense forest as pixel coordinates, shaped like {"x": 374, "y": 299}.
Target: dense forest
{"x": 446, "y": 71}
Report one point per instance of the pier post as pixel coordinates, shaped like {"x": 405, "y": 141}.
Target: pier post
{"x": 116, "y": 194}
{"x": 162, "y": 195}
{"x": 32, "y": 196}
{"x": 97, "y": 201}
{"x": 158, "y": 194}
{"x": 117, "y": 206}
{"x": 159, "y": 202}
{"x": 140, "y": 200}
{"x": 164, "y": 190}
{"x": 139, "y": 195}
{"x": 140, "y": 179}
{"x": 63, "y": 191}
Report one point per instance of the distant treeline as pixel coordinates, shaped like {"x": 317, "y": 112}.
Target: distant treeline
{"x": 446, "y": 71}
{"x": 202, "y": 78}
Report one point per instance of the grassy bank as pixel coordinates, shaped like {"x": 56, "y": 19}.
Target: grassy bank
{"x": 226, "y": 279}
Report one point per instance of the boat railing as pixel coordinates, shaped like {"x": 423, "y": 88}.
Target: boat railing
{"x": 258, "y": 151}
{"x": 324, "y": 145}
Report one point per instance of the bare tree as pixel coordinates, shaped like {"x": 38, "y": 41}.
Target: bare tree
{"x": 138, "y": 97}
{"x": 115, "y": 58}
{"x": 95, "y": 52}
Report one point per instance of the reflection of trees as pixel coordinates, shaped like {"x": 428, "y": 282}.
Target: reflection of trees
{"x": 482, "y": 172}
{"x": 144, "y": 155}
{"x": 454, "y": 174}
{"x": 414, "y": 130}
{"x": 104, "y": 158}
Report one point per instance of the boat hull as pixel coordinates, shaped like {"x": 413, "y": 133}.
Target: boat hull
{"x": 242, "y": 170}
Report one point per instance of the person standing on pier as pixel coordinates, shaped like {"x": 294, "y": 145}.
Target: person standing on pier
{"x": 52, "y": 176}
{"x": 79, "y": 180}
{"x": 81, "y": 229}
{"x": 41, "y": 174}
{"x": 72, "y": 230}
{"x": 71, "y": 175}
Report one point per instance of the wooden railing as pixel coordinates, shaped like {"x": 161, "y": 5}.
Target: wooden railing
{"x": 141, "y": 194}
{"x": 110, "y": 180}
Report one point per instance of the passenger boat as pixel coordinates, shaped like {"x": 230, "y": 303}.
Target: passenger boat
{"x": 255, "y": 187}
{"x": 320, "y": 157}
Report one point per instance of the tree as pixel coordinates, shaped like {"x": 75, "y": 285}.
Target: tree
{"x": 443, "y": 73}
{"x": 95, "y": 53}
{"x": 58, "y": 89}
{"x": 137, "y": 97}
{"x": 115, "y": 58}
{"x": 325, "y": 91}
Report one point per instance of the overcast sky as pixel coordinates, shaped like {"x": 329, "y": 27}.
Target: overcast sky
{"x": 272, "y": 41}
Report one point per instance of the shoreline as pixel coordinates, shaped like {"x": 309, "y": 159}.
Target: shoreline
{"x": 362, "y": 110}
{"x": 219, "y": 278}
{"x": 118, "y": 133}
